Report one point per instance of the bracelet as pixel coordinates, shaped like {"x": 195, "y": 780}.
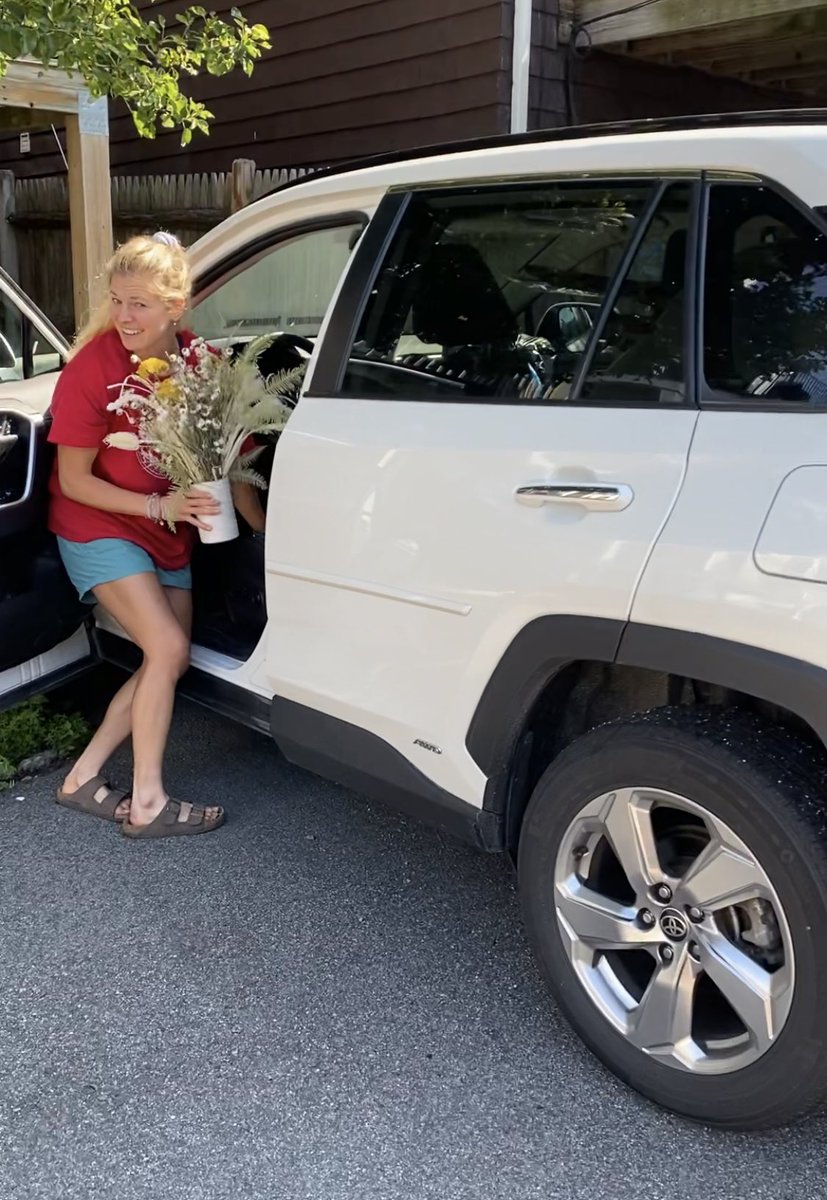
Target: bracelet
{"x": 155, "y": 508}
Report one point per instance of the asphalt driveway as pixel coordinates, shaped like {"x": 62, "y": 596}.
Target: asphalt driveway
{"x": 322, "y": 1001}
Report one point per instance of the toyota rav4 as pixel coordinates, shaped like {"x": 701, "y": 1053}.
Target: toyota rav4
{"x": 546, "y": 557}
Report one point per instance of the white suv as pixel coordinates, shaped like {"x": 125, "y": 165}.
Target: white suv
{"x": 546, "y": 559}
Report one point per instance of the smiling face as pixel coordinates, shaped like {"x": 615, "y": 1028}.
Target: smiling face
{"x": 144, "y": 321}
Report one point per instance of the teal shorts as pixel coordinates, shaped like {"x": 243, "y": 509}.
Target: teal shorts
{"x": 107, "y": 559}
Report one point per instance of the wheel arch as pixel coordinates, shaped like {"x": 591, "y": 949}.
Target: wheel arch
{"x": 564, "y": 675}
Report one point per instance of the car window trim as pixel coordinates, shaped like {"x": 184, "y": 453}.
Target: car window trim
{"x": 689, "y": 330}
{"x": 714, "y": 399}
{"x": 613, "y": 291}
{"x": 334, "y": 354}
{"x": 30, "y": 312}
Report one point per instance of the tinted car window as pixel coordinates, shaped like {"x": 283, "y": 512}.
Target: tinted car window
{"x": 765, "y": 300}
{"x": 493, "y": 292}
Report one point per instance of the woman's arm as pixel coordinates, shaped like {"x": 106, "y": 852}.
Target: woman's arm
{"x": 74, "y": 466}
{"x": 246, "y": 499}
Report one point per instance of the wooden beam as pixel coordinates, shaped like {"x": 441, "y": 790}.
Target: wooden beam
{"x": 815, "y": 72}
{"x": 31, "y": 85}
{"x": 566, "y": 16}
{"x": 791, "y": 31}
{"x": 90, "y": 204}
{"x": 722, "y": 37}
{"x": 31, "y": 119}
{"x": 755, "y": 55}
{"x": 670, "y": 17}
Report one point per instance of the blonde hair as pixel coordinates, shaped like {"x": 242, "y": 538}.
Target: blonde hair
{"x": 162, "y": 258}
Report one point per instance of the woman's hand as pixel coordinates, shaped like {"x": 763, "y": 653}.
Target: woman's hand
{"x": 78, "y": 483}
{"x": 192, "y": 507}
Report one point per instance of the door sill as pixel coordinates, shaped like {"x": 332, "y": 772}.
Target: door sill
{"x": 48, "y": 683}
{"x": 218, "y": 695}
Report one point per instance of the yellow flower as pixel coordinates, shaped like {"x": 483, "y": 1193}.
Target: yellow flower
{"x": 167, "y": 390}
{"x": 152, "y": 367}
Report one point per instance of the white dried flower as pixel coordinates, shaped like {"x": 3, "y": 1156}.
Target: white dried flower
{"x": 123, "y": 441}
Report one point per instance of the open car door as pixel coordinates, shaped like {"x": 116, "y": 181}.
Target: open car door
{"x": 43, "y": 639}
{"x": 42, "y": 635}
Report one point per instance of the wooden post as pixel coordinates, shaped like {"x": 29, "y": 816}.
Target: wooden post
{"x": 242, "y": 183}
{"x": 8, "y": 241}
{"x": 565, "y": 19}
{"x": 90, "y": 202}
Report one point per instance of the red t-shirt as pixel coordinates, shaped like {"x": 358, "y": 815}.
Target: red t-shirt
{"x": 87, "y": 384}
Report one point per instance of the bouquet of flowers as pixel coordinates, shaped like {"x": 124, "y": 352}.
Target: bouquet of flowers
{"x": 191, "y": 416}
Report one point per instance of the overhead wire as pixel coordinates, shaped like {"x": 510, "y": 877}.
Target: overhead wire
{"x": 574, "y": 51}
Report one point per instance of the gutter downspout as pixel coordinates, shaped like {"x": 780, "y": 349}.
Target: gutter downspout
{"x": 521, "y": 65}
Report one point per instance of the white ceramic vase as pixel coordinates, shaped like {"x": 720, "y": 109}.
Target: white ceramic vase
{"x": 224, "y": 524}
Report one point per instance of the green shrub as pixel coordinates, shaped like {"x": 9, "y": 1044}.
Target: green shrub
{"x": 33, "y": 727}
{"x": 67, "y": 733}
{"x": 23, "y": 730}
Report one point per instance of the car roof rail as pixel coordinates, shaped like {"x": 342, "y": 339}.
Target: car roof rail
{"x": 564, "y": 133}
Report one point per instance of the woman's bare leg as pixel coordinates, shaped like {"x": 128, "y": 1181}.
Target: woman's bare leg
{"x": 140, "y": 605}
{"x": 117, "y": 723}
{"x": 110, "y": 734}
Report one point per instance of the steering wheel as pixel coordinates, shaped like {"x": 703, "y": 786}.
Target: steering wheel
{"x": 302, "y": 346}
{"x": 285, "y": 352}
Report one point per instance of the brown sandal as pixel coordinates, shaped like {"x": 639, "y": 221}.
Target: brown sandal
{"x": 176, "y": 819}
{"x": 97, "y": 798}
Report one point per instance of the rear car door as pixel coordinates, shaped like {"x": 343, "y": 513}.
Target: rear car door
{"x": 743, "y": 558}
{"x": 42, "y": 634}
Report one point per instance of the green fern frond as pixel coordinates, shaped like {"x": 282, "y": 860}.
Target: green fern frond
{"x": 254, "y": 348}
{"x": 245, "y": 475}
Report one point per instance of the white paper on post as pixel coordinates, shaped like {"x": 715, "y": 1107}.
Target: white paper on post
{"x": 93, "y": 115}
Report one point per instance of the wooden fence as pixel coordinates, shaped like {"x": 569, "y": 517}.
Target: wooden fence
{"x": 36, "y": 243}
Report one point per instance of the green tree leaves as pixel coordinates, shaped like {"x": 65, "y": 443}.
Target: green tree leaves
{"x": 140, "y": 60}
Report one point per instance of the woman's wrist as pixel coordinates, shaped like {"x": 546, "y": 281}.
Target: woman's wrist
{"x": 157, "y": 508}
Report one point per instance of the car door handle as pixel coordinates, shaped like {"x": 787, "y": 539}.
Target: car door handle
{"x": 596, "y": 497}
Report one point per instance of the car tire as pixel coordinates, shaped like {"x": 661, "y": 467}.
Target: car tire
{"x": 762, "y": 790}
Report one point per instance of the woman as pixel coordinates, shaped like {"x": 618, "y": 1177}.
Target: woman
{"x": 110, "y": 514}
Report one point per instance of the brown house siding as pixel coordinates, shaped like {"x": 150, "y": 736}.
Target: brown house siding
{"x": 344, "y": 78}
